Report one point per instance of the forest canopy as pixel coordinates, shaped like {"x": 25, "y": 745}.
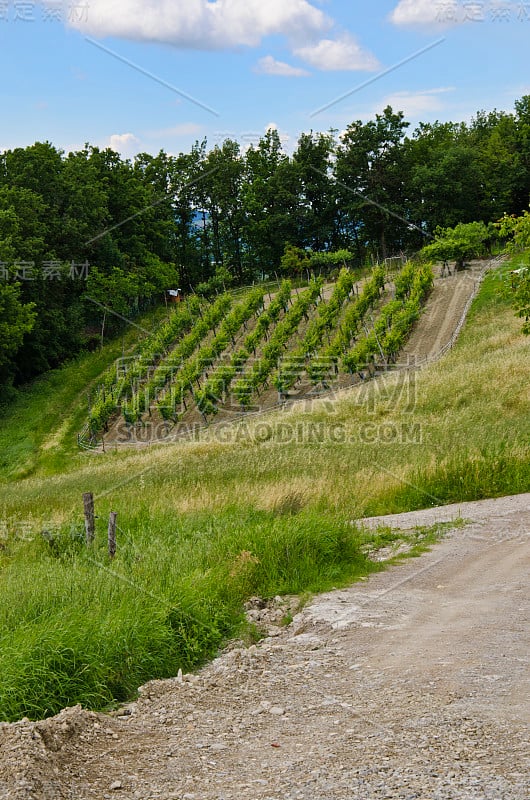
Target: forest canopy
{"x": 89, "y": 228}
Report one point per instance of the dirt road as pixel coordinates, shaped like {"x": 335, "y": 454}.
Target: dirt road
{"x": 413, "y": 684}
{"x": 442, "y": 314}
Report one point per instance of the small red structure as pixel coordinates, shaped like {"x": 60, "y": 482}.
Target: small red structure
{"x": 175, "y": 295}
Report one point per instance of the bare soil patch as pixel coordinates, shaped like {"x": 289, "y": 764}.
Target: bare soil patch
{"x": 443, "y": 311}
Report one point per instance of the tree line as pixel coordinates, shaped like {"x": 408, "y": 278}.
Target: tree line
{"x": 88, "y": 237}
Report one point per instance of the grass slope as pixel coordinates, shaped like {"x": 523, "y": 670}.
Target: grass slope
{"x": 39, "y": 424}
{"x": 263, "y": 508}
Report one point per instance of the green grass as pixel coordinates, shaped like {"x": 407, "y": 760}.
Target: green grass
{"x": 413, "y": 542}
{"x": 40, "y": 422}
{"x": 205, "y": 524}
{"x": 76, "y": 628}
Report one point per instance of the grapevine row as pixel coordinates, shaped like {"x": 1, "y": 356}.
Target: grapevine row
{"x": 114, "y": 386}
{"x": 217, "y": 385}
{"x": 394, "y": 324}
{"x": 351, "y": 323}
{"x": 324, "y": 322}
{"x": 133, "y": 409}
{"x": 191, "y": 371}
{"x": 245, "y": 388}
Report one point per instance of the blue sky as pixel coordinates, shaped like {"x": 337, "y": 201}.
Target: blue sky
{"x": 140, "y": 75}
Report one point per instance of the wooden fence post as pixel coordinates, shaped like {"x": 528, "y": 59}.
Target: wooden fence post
{"x": 90, "y": 526}
{"x": 112, "y": 534}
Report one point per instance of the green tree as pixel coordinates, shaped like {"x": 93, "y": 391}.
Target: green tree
{"x": 112, "y": 293}
{"x": 493, "y": 139}
{"x": 220, "y": 191}
{"x": 522, "y": 121}
{"x": 38, "y": 169}
{"x": 458, "y": 244}
{"x": 312, "y": 161}
{"x": 24, "y": 235}
{"x": 270, "y": 199}
{"x": 517, "y": 231}
{"x": 370, "y": 172}
{"x": 26, "y": 248}
{"x": 294, "y": 261}
{"x": 16, "y": 320}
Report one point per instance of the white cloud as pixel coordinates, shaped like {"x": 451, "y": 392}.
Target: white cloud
{"x": 448, "y": 13}
{"x": 201, "y": 24}
{"x": 271, "y": 66}
{"x": 343, "y": 53}
{"x": 124, "y": 143}
{"x": 415, "y": 104}
{"x": 416, "y": 12}
{"x": 436, "y": 13}
{"x": 230, "y": 24}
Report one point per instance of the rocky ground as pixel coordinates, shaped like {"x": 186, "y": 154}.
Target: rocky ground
{"x": 413, "y": 684}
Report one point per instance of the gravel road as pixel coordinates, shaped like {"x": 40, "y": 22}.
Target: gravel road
{"x": 413, "y": 684}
